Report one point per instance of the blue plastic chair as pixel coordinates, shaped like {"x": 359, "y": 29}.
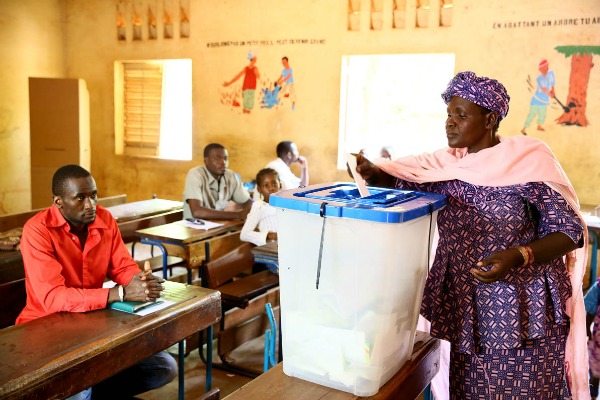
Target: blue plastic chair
{"x": 270, "y": 340}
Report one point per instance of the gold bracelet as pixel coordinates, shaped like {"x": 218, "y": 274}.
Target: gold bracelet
{"x": 525, "y": 255}
{"x": 530, "y": 254}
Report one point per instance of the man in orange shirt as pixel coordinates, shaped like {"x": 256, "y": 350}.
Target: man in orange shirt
{"x": 68, "y": 251}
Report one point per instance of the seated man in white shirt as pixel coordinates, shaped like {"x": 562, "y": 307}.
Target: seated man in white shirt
{"x": 287, "y": 153}
{"x": 210, "y": 189}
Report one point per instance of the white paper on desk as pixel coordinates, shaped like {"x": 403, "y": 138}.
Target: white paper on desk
{"x": 360, "y": 182}
{"x": 207, "y": 224}
{"x": 155, "y": 308}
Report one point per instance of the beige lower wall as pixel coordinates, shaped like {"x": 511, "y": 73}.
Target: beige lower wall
{"x": 90, "y": 48}
{"x": 32, "y": 46}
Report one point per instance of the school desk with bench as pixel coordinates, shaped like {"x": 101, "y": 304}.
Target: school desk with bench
{"x": 58, "y": 355}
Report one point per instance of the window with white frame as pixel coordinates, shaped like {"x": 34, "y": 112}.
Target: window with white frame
{"x": 153, "y": 108}
{"x": 393, "y": 100}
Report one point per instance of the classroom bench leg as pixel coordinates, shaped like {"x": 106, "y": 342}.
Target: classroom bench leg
{"x": 180, "y": 357}
{"x": 209, "y": 333}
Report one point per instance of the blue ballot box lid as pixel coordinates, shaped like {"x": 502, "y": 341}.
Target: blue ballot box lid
{"x": 343, "y": 200}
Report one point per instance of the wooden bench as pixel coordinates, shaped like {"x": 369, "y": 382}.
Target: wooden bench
{"x": 229, "y": 275}
{"x": 112, "y": 200}
{"x": 11, "y": 262}
{"x": 13, "y": 296}
{"x": 17, "y": 220}
{"x": 128, "y": 228}
{"x": 223, "y": 275}
{"x": 214, "y": 247}
{"x": 218, "y": 246}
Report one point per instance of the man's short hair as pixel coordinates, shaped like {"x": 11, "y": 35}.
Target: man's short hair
{"x": 283, "y": 148}
{"x": 211, "y": 147}
{"x": 63, "y": 174}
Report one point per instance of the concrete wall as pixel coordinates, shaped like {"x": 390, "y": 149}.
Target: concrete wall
{"x": 32, "y": 43}
{"x": 504, "y": 39}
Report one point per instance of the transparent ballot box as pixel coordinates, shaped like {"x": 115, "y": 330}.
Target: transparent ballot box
{"x": 351, "y": 271}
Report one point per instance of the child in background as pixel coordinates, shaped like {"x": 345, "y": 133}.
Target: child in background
{"x": 262, "y": 214}
{"x": 593, "y": 315}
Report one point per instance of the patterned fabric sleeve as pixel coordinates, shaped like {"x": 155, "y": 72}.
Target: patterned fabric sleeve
{"x": 407, "y": 185}
{"x": 555, "y": 215}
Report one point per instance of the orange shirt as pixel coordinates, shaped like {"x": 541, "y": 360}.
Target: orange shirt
{"x": 59, "y": 276}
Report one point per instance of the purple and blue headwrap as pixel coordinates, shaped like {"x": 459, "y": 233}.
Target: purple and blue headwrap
{"x": 486, "y": 92}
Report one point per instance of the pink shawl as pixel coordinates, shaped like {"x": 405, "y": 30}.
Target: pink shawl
{"x": 515, "y": 160}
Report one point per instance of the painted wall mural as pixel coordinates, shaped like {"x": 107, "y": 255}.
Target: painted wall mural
{"x": 270, "y": 91}
{"x": 575, "y": 105}
{"x": 272, "y": 94}
{"x": 581, "y": 66}
{"x": 251, "y": 75}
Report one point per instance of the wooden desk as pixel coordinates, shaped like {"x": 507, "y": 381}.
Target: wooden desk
{"x": 61, "y": 354}
{"x": 145, "y": 208}
{"x": 191, "y": 240}
{"x": 11, "y": 266}
{"x": 268, "y": 254}
{"x": 408, "y": 383}
{"x": 269, "y": 250}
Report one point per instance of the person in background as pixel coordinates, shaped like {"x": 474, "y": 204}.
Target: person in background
{"x": 287, "y": 154}
{"x": 387, "y": 152}
{"x": 262, "y": 215}
{"x": 68, "y": 251}
{"x": 214, "y": 192}
{"x": 593, "y": 316}
{"x": 500, "y": 289}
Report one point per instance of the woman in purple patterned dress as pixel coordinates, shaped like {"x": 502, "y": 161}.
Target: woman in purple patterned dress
{"x": 498, "y": 289}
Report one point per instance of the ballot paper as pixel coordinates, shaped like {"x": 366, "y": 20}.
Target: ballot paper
{"x": 360, "y": 182}
{"x": 206, "y": 225}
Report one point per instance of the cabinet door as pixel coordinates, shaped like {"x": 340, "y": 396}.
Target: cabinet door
{"x": 59, "y": 131}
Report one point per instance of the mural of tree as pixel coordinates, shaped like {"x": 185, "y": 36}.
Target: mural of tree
{"x": 581, "y": 65}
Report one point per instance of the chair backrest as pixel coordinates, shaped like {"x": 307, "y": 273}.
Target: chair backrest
{"x": 223, "y": 269}
{"x": 128, "y": 228}
{"x": 13, "y": 297}
{"x": 16, "y": 220}
{"x": 112, "y": 200}
{"x": 217, "y": 246}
